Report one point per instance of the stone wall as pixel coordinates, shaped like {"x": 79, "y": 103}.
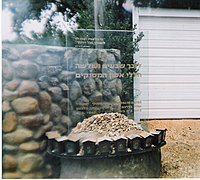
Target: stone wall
{"x": 51, "y": 88}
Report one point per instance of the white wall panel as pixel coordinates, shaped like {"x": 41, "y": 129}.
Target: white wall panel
{"x": 170, "y": 114}
{"x": 171, "y": 35}
{"x": 170, "y": 104}
{"x": 174, "y": 92}
{"x": 172, "y": 43}
{"x": 169, "y": 52}
{"x": 172, "y": 61}
{"x": 171, "y": 70}
{"x": 173, "y": 79}
{"x": 170, "y": 58}
{"x": 168, "y": 23}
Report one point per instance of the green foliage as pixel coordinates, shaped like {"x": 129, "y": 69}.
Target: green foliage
{"x": 116, "y": 17}
{"x": 86, "y": 20}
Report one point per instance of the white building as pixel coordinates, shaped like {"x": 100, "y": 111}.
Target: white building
{"x": 170, "y": 58}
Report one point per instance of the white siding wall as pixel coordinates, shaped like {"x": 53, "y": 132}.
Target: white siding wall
{"x": 170, "y": 58}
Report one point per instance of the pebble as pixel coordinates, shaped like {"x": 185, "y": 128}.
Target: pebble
{"x": 9, "y": 162}
{"x": 30, "y": 162}
{"x": 6, "y": 106}
{"x": 32, "y": 121}
{"x": 10, "y": 149}
{"x": 96, "y": 97}
{"x": 25, "y": 105}
{"x": 10, "y": 122}
{"x": 46, "y": 118}
{"x": 25, "y": 69}
{"x": 101, "y": 56}
{"x": 31, "y": 53}
{"x": 65, "y": 89}
{"x": 66, "y": 121}
{"x": 11, "y": 175}
{"x": 42, "y": 130}
{"x": 7, "y": 71}
{"x": 29, "y": 146}
{"x": 55, "y": 113}
{"x": 9, "y": 95}
{"x": 45, "y": 101}
{"x": 92, "y": 56}
{"x": 10, "y": 53}
{"x": 18, "y": 136}
{"x": 55, "y": 93}
{"x": 53, "y": 81}
{"x": 111, "y": 124}
{"x": 66, "y": 106}
{"x": 34, "y": 175}
{"x": 13, "y": 85}
{"x": 75, "y": 91}
{"x": 48, "y": 59}
{"x": 28, "y": 88}
{"x": 89, "y": 86}
{"x": 82, "y": 102}
{"x": 43, "y": 82}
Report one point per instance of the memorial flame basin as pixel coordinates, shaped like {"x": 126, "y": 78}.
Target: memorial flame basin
{"x": 135, "y": 153}
{"x": 45, "y": 88}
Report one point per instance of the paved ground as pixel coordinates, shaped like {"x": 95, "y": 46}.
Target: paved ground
{"x": 181, "y": 154}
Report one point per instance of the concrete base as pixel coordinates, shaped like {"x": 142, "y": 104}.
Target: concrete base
{"x": 144, "y": 165}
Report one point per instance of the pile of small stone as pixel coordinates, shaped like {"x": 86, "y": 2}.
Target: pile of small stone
{"x": 110, "y": 124}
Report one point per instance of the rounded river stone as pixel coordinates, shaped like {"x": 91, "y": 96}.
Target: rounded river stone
{"x": 28, "y": 88}
{"x": 56, "y": 93}
{"x": 7, "y": 70}
{"x": 30, "y": 162}
{"x": 89, "y": 86}
{"x": 9, "y": 95}
{"x": 12, "y": 85}
{"x": 25, "y": 69}
{"x": 6, "y": 106}
{"x": 10, "y": 122}
{"x": 18, "y": 136}
{"x": 9, "y": 162}
{"x": 66, "y": 106}
{"x": 11, "y": 175}
{"x": 25, "y": 105}
{"x": 55, "y": 113}
{"x": 30, "y": 146}
{"x": 32, "y": 121}
{"x": 45, "y": 101}
{"x": 75, "y": 91}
